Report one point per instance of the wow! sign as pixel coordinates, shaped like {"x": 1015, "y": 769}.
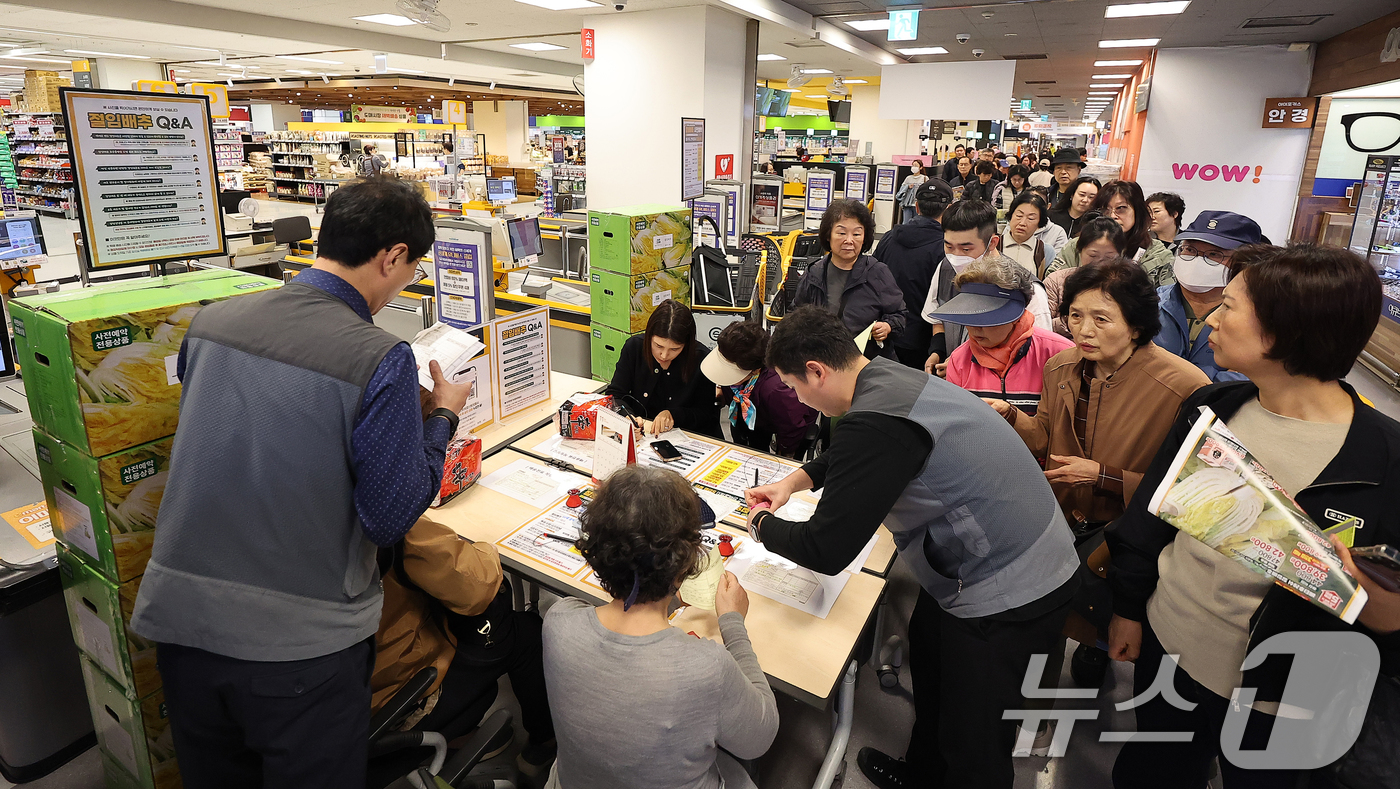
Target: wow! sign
{"x": 1210, "y": 172}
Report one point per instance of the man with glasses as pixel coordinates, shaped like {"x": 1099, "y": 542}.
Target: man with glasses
{"x": 1202, "y": 267}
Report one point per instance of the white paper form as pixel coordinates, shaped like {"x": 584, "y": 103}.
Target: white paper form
{"x": 530, "y": 482}
{"x": 694, "y": 452}
{"x": 573, "y": 451}
{"x": 802, "y": 506}
{"x": 770, "y": 575}
{"x": 528, "y": 540}
{"x": 733, "y": 471}
{"x": 450, "y": 347}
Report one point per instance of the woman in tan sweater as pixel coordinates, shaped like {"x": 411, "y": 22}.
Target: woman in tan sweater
{"x": 1105, "y": 406}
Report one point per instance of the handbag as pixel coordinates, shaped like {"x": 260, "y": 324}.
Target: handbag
{"x": 1372, "y": 762}
{"x": 482, "y": 639}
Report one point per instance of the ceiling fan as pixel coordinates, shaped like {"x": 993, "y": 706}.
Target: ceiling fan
{"x": 425, "y": 13}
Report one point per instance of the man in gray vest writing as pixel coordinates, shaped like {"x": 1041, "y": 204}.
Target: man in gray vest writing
{"x": 972, "y": 516}
{"x": 301, "y": 447}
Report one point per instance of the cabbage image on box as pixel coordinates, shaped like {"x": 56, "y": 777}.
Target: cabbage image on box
{"x": 99, "y": 613}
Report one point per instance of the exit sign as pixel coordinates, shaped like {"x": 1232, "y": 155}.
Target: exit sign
{"x": 1026, "y": 104}
{"x": 904, "y": 26}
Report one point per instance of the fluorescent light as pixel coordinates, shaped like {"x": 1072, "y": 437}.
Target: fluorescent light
{"x": 537, "y": 46}
{"x": 1128, "y": 42}
{"x": 1112, "y": 63}
{"x": 222, "y": 74}
{"x": 1145, "y": 9}
{"x": 771, "y": 57}
{"x": 924, "y": 51}
{"x": 299, "y": 71}
{"x": 857, "y": 82}
{"x": 310, "y": 60}
{"x": 1101, "y": 93}
{"x": 560, "y": 5}
{"x": 870, "y": 24}
{"x": 180, "y": 70}
{"x": 386, "y": 19}
{"x": 815, "y": 96}
{"x": 1112, "y": 76}
{"x": 816, "y": 71}
{"x": 106, "y": 54}
{"x": 195, "y": 49}
{"x": 1103, "y": 85}
{"x": 34, "y": 59}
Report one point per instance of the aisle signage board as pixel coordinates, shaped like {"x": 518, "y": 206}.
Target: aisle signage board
{"x": 520, "y": 343}
{"x": 588, "y": 43}
{"x": 364, "y": 113}
{"x": 820, "y": 184}
{"x": 218, "y": 97}
{"x": 857, "y": 183}
{"x": 482, "y": 404}
{"x": 155, "y": 86}
{"x": 461, "y": 276}
{"x": 692, "y": 158}
{"x": 146, "y": 179}
{"x": 767, "y": 199}
{"x": 82, "y": 73}
{"x": 1294, "y": 113}
{"x": 454, "y": 112}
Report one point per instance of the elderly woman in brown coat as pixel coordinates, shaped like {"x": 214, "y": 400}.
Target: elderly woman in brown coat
{"x": 1106, "y": 404}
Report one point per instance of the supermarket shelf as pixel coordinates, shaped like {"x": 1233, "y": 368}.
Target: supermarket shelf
{"x": 38, "y": 194}
{"x": 52, "y": 209}
{"x": 43, "y": 166}
{"x": 43, "y": 180}
{"x": 305, "y": 181}
{"x": 41, "y": 139}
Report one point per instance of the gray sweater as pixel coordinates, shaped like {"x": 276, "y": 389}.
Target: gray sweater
{"x": 653, "y": 711}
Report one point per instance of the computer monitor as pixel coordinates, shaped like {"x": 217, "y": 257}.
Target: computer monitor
{"x": 839, "y": 111}
{"x": 21, "y": 240}
{"x": 762, "y": 98}
{"x": 778, "y": 106}
{"x": 230, "y": 199}
{"x": 525, "y": 242}
{"x": 500, "y": 190}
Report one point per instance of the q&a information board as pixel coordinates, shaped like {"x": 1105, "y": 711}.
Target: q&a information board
{"x": 146, "y": 178}
{"x": 520, "y": 344}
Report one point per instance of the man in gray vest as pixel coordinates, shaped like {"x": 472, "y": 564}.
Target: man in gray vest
{"x": 972, "y": 516}
{"x": 301, "y": 447}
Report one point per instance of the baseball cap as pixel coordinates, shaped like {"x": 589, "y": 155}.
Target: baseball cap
{"x": 982, "y": 304}
{"x": 935, "y": 189}
{"x": 1224, "y": 229}
{"x": 721, "y": 371}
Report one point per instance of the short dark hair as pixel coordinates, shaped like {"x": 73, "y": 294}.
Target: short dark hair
{"x": 811, "y": 334}
{"x": 1101, "y": 227}
{"x": 1016, "y": 170}
{"x": 964, "y": 156}
{"x": 971, "y": 215}
{"x": 1127, "y": 284}
{"x": 1065, "y": 199}
{"x": 1140, "y": 237}
{"x": 672, "y": 320}
{"x": 986, "y": 168}
{"x": 1032, "y": 198}
{"x": 1172, "y": 203}
{"x": 370, "y": 215}
{"x": 744, "y": 343}
{"x": 642, "y": 529}
{"x": 959, "y": 147}
{"x": 1318, "y": 304}
{"x": 846, "y": 209}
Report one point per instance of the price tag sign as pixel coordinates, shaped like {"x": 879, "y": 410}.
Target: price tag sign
{"x": 1294, "y": 113}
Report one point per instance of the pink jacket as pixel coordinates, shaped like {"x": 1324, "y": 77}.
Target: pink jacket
{"x": 1022, "y": 384}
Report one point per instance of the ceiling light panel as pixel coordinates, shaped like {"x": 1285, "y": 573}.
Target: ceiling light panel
{"x": 33, "y": 59}
{"x": 1112, "y": 63}
{"x": 1145, "y": 9}
{"x": 1101, "y": 93}
{"x": 537, "y": 46}
{"x": 394, "y": 20}
{"x": 771, "y": 56}
{"x": 311, "y": 60}
{"x": 1127, "y": 43}
{"x": 105, "y": 54}
{"x": 1103, "y": 85}
{"x": 560, "y": 5}
{"x": 924, "y": 51}
{"x": 870, "y": 24}
{"x": 1112, "y": 76}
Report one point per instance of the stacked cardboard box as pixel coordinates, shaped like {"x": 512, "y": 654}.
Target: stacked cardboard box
{"x": 41, "y": 90}
{"x": 100, "y": 370}
{"x": 638, "y": 257}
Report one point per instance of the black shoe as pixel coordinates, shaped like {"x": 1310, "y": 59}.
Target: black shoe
{"x": 535, "y": 758}
{"x": 1088, "y": 666}
{"x": 883, "y": 770}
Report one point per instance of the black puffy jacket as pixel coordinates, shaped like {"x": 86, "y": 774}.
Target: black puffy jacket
{"x": 912, "y": 252}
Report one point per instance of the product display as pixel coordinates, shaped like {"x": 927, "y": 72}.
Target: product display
{"x": 99, "y": 613}
{"x": 134, "y": 733}
{"x": 42, "y": 167}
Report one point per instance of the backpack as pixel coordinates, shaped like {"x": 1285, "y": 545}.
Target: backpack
{"x": 364, "y": 167}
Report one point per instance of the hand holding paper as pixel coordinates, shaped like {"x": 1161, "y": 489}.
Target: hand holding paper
{"x": 699, "y": 590}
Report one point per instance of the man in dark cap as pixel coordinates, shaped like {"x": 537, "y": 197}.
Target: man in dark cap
{"x": 913, "y": 251}
{"x": 1065, "y": 167}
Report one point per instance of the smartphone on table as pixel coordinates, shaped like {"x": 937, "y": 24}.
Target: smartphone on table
{"x": 666, "y": 451}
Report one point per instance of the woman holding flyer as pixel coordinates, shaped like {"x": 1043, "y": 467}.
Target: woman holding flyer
{"x": 1294, "y": 322}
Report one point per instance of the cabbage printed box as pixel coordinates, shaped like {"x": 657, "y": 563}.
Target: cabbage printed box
{"x": 639, "y": 239}
{"x": 99, "y": 613}
{"x": 99, "y": 363}
{"x": 105, "y": 509}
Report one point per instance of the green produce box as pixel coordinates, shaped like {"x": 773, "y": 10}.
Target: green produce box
{"x": 105, "y": 509}
{"x": 114, "y": 776}
{"x": 99, "y": 363}
{"x": 639, "y": 239}
{"x": 626, "y": 301}
{"x": 99, "y": 613}
{"x": 606, "y": 346}
{"x": 135, "y": 734}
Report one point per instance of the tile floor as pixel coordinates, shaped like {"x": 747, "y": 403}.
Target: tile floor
{"x": 882, "y": 717}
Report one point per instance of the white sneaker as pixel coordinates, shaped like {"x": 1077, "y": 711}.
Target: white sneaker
{"x": 1034, "y": 743}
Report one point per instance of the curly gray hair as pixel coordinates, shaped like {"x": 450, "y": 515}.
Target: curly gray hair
{"x": 1000, "y": 271}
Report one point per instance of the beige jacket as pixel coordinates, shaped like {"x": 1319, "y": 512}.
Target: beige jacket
{"x": 1129, "y": 416}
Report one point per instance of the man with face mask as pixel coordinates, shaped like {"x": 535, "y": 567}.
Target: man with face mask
{"x": 1202, "y": 268}
{"x": 969, "y": 234}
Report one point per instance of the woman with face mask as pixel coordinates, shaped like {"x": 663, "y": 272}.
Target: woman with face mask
{"x": 911, "y": 184}
{"x": 1106, "y": 405}
{"x": 1069, "y": 211}
{"x": 1101, "y": 239}
{"x": 850, "y": 282}
{"x": 659, "y": 373}
{"x": 1214, "y": 244}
